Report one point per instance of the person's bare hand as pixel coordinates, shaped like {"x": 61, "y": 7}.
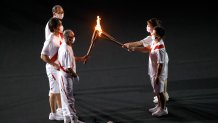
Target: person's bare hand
{"x": 126, "y": 45}
{"x": 85, "y": 59}
{"x": 56, "y": 66}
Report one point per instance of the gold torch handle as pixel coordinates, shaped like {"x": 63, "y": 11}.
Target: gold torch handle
{"x": 91, "y": 45}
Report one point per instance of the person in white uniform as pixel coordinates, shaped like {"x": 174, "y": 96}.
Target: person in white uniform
{"x": 151, "y": 23}
{"x": 49, "y": 55}
{"x": 67, "y": 76}
{"x": 158, "y": 68}
{"x": 58, "y": 12}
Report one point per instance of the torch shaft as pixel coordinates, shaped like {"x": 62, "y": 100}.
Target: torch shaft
{"x": 94, "y": 36}
{"x": 92, "y": 43}
{"x": 112, "y": 38}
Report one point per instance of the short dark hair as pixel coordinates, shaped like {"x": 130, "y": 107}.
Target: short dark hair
{"x": 154, "y": 22}
{"x": 53, "y": 23}
{"x": 67, "y": 33}
{"x": 160, "y": 31}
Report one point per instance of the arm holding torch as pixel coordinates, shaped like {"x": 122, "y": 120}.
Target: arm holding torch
{"x": 130, "y": 45}
{"x": 139, "y": 49}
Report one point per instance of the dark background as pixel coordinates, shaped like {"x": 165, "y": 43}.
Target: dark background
{"x": 114, "y": 84}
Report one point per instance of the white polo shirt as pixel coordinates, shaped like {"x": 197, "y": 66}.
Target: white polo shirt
{"x": 146, "y": 41}
{"x": 51, "y": 46}
{"x": 158, "y": 55}
{"x": 66, "y": 57}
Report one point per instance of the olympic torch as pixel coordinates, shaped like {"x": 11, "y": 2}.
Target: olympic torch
{"x": 97, "y": 33}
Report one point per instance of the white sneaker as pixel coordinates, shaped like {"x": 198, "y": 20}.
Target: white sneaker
{"x": 152, "y": 110}
{"x": 155, "y": 100}
{"x": 59, "y": 111}
{"x": 51, "y": 116}
{"x": 167, "y": 97}
{"x": 155, "y": 97}
{"x": 55, "y": 116}
{"x": 160, "y": 112}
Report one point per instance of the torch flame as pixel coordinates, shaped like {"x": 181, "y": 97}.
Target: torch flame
{"x": 98, "y": 26}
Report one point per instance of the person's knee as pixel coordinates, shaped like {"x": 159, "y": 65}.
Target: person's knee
{"x": 52, "y": 96}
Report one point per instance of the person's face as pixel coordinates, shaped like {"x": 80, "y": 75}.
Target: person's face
{"x": 59, "y": 10}
{"x": 59, "y": 13}
{"x": 155, "y": 36}
{"x": 59, "y": 29}
{"x": 71, "y": 38}
{"x": 149, "y": 28}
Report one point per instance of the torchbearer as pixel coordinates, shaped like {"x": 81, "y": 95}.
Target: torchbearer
{"x": 157, "y": 69}
{"x": 67, "y": 76}
{"x": 151, "y": 23}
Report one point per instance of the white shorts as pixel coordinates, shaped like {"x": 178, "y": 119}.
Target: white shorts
{"x": 53, "y": 80}
{"x": 157, "y": 88}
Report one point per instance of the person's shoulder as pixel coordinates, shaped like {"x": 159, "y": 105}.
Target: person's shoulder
{"x": 161, "y": 41}
{"x": 46, "y": 26}
{"x": 63, "y": 46}
{"x": 148, "y": 37}
{"x": 50, "y": 38}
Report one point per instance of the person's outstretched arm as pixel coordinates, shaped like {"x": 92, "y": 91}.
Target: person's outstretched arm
{"x": 140, "y": 49}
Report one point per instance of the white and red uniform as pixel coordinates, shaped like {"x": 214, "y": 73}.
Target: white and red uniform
{"x": 158, "y": 55}
{"x": 66, "y": 60}
{"x": 146, "y": 41}
{"x": 50, "y": 48}
{"x": 47, "y": 31}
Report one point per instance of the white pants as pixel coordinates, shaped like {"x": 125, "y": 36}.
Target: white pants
{"x": 66, "y": 91}
{"x": 53, "y": 80}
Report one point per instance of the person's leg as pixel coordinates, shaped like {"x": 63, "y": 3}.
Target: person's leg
{"x": 71, "y": 100}
{"x": 165, "y": 91}
{"x": 56, "y": 89}
{"x": 64, "y": 97}
{"x": 158, "y": 100}
{"x": 54, "y": 93}
{"x": 162, "y": 100}
{"x": 58, "y": 100}
{"x": 52, "y": 102}
{"x": 152, "y": 110}
{"x": 162, "y": 110}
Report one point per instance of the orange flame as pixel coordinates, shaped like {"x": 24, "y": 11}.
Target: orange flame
{"x": 98, "y": 26}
